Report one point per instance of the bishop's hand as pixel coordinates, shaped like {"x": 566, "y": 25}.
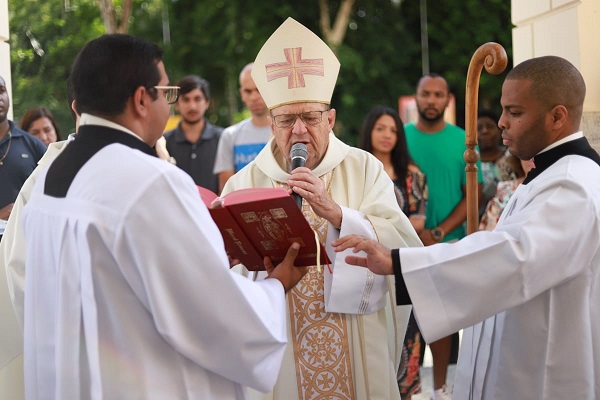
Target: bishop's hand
{"x": 304, "y": 182}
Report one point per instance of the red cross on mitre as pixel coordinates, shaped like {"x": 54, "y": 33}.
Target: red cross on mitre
{"x": 295, "y": 68}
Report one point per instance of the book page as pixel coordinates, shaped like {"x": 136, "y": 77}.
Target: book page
{"x": 252, "y": 194}
{"x": 207, "y": 196}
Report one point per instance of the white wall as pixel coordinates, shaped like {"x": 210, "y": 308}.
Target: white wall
{"x": 5, "y": 50}
{"x": 569, "y": 29}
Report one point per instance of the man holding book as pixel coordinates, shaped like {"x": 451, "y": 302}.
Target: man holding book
{"x": 122, "y": 299}
{"x": 344, "y": 340}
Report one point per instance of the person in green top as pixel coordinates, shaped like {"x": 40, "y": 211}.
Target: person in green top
{"x": 437, "y": 147}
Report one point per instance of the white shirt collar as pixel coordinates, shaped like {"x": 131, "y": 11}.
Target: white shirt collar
{"x": 569, "y": 138}
{"x": 88, "y": 119}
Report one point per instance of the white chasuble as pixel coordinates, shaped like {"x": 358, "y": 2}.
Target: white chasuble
{"x": 319, "y": 338}
{"x": 344, "y": 335}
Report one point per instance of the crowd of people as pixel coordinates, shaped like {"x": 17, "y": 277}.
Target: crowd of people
{"x": 121, "y": 286}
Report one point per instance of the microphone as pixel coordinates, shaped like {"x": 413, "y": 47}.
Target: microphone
{"x": 298, "y": 155}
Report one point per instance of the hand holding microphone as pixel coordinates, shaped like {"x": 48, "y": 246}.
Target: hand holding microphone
{"x": 312, "y": 188}
{"x": 298, "y": 156}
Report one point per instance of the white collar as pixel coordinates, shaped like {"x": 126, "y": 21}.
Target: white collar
{"x": 88, "y": 119}
{"x": 572, "y": 136}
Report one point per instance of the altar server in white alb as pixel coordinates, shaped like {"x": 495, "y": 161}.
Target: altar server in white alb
{"x": 128, "y": 292}
{"x": 530, "y": 289}
{"x": 344, "y": 334}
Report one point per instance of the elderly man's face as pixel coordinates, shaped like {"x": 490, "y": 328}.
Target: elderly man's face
{"x": 315, "y": 137}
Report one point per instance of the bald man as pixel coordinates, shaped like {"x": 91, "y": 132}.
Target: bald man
{"x": 241, "y": 143}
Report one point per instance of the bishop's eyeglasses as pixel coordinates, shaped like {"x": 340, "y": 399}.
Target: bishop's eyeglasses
{"x": 171, "y": 92}
{"x": 310, "y": 118}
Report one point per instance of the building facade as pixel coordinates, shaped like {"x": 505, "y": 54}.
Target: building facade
{"x": 569, "y": 29}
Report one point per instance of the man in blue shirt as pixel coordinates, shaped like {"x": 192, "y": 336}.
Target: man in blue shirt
{"x": 19, "y": 154}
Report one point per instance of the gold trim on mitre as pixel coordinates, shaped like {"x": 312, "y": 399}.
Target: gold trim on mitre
{"x": 295, "y": 66}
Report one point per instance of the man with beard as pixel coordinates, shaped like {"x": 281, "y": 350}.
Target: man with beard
{"x": 437, "y": 147}
{"x": 240, "y": 143}
{"x": 193, "y": 144}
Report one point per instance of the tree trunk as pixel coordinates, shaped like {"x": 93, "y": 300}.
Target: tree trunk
{"x": 107, "y": 11}
{"x": 334, "y": 36}
{"x": 124, "y": 24}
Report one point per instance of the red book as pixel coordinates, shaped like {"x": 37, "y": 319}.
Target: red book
{"x": 260, "y": 222}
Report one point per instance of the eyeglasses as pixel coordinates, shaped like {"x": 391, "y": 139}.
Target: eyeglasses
{"x": 171, "y": 92}
{"x": 310, "y": 118}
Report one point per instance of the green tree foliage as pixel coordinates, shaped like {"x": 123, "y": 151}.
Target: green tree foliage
{"x": 45, "y": 37}
{"x": 216, "y": 39}
{"x": 454, "y": 35}
{"x": 380, "y": 55}
{"x": 379, "y": 59}
{"x": 44, "y": 40}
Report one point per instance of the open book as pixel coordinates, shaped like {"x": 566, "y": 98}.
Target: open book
{"x": 260, "y": 222}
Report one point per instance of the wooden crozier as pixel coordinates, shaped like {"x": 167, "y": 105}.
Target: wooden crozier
{"x": 493, "y": 57}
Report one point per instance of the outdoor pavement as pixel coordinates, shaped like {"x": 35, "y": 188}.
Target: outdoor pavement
{"x": 427, "y": 378}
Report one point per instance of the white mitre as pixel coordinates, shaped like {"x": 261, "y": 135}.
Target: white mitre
{"x": 295, "y": 66}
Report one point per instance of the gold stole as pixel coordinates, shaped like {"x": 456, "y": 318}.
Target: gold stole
{"x": 320, "y": 339}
